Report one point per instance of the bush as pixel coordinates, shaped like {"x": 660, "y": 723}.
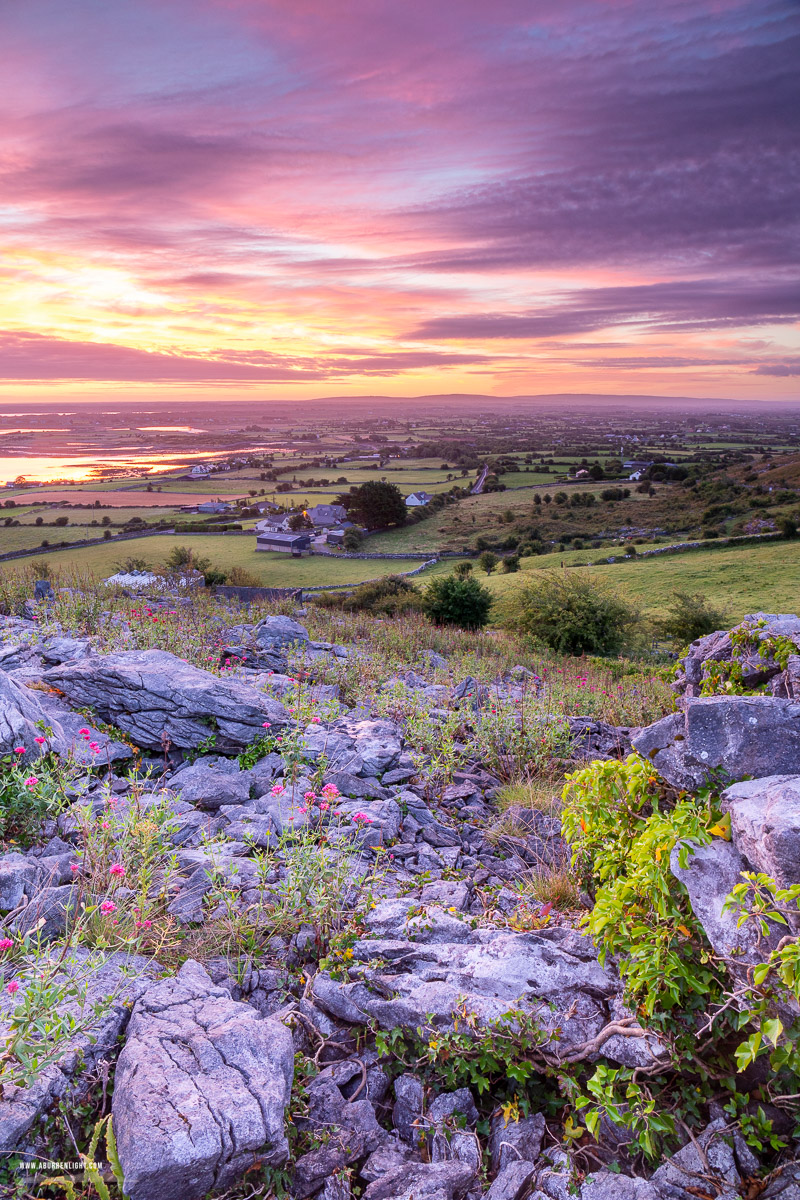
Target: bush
{"x": 510, "y": 564}
{"x": 488, "y": 561}
{"x": 241, "y": 577}
{"x": 787, "y": 527}
{"x": 449, "y": 600}
{"x": 352, "y": 539}
{"x": 567, "y": 612}
{"x": 690, "y": 616}
{"x": 390, "y": 595}
{"x": 462, "y": 570}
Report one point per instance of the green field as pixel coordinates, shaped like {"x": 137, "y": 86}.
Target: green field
{"x": 742, "y": 579}
{"x": 274, "y": 570}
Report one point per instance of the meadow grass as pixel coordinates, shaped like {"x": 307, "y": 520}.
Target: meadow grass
{"x": 274, "y": 570}
{"x": 740, "y": 579}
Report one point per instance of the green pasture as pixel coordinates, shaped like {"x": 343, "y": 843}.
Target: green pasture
{"x": 741, "y": 579}
{"x": 274, "y": 570}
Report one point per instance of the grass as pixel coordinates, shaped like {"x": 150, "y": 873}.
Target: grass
{"x": 741, "y": 579}
{"x": 274, "y": 570}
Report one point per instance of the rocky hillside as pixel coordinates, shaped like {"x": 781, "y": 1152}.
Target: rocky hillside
{"x": 311, "y": 918}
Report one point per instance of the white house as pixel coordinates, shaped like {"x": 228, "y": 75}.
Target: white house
{"x": 418, "y": 499}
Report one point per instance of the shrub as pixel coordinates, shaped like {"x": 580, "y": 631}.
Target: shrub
{"x": 352, "y": 539}
{"x": 487, "y": 561}
{"x": 462, "y": 570}
{"x": 391, "y": 594}
{"x": 241, "y": 577}
{"x": 465, "y": 602}
{"x": 787, "y": 527}
{"x": 510, "y": 564}
{"x": 182, "y": 557}
{"x": 570, "y": 614}
{"x": 690, "y": 615}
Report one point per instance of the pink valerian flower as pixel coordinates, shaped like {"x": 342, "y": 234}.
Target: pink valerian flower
{"x": 267, "y": 725}
{"x": 309, "y": 796}
{"x": 315, "y": 720}
{"x": 5, "y": 944}
{"x": 84, "y": 733}
{"x": 40, "y": 741}
{"x": 117, "y": 869}
{"x": 107, "y": 907}
{"x": 277, "y": 790}
{"x": 12, "y": 988}
{"x": 93, "y": 746}
{"x": 104, "y": 825}
{"x": 19, "y": 749}
{"x": 330, "y": 791}
{"x": 74, "y": 867}
{"x": 323, "y": 806}
{"x": 31, "y": 781}
{"x": 359, "y": 817}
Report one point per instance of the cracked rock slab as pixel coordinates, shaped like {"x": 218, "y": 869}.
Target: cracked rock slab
{"x": 153, "y": 695}
{"x": 200, "y": 1092}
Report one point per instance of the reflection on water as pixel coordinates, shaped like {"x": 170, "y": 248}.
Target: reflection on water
{"x": 170, "y": 429}
{"x": 43, "y": 468}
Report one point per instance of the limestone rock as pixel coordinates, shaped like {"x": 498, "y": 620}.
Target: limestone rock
{"x": 730, "y": 736}
{"x": 765, "y": 824}
{"x": 154, "y": 696}
{"x": 200, "y": 1091}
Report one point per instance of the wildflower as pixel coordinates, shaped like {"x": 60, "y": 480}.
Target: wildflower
{"x": 93, "y": 746}
{"x": 84, "y": 733}
{"x": 324, "y": 807}
{"x": 12, "y": 988}
{"x": 74, "y": 867}
{"x": 277, "y": 790}
{"x": 104, "y": 825}
{"x": 117, "y": 869}
{"x": 6, "y": 944}
{"x": 315, "y": 720}
{"x": 267, "y": 725}
{"x": 31, "y": 781}
{"x": 40, "y": 741}
{"x": 19, "y": 749}
{"x": 330, "y": 791}
{"x": 147, "y": 924}
{"x": 309, "y": 795}
{"x": 108, "y": 906}
{"x": 358, "y": 817}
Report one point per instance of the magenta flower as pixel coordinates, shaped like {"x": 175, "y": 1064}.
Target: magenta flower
{"x": 359, "y": 817}
{"x": 74, "y": 867}
{"x": 108, "y": 906}
{"x": 267, "y": 725}
{"x": 12, "y": 988}
{"x": 19, "y": 749}
{"x": 6, "y": 944}
{"x": 84, "y": 733}
{"x": 31, "y": 781}
{"x": 117, "y": 869}
{"x": 309, "y": 795}
{"x": 330, "y": 791}
{"x": 40, "y": 741}
{"x": 277, "y": 790}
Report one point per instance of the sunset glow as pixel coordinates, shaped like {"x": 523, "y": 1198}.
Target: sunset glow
{"x": 297, "y": 198}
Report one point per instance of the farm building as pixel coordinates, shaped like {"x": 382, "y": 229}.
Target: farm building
{"x": 286, "y": 543}
{"x": 418, "y": 499}
{"x": 326, "y": 516}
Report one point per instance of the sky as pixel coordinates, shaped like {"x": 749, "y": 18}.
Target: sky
{"x": 218, "y": 199}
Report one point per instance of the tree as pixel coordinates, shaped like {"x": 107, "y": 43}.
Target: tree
{"x": 449, "y": 600}
{"x": 352, "y": 539}
{"x": 462, "y": 570}
{"x": 510, "y": 564}
{"x": 375, "y": 504}
{"x": 596, "y": 472}
{"x": 787, "y": 527}
{"x": 690, "y": 615}
{"x": 571, "y": 615}
{"x": 299, "y": 521}
{"x": 488, "y": 561}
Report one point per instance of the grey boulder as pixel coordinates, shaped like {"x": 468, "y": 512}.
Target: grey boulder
{"x": 211, "y": 783}
{"x": 731, "y": 736}
{"x": 200, "y": 1091}
{"x": 20, "y": 718}
{"x": 423, "y": 1181}
{"x": 279, "y": 633}
{"x": 682, "y": 1174}
{"x": 765, "y": 824}
{"x": 158, "y": 698}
